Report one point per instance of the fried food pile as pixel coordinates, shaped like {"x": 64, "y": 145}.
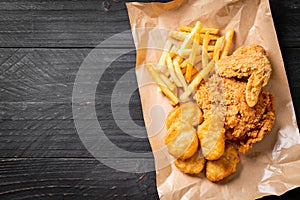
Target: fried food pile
{"x": 245, "y": 122}
{"x": 220, "y": 107}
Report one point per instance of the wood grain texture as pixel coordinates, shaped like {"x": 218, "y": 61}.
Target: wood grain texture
{"x": 74, "y": 178}
{"x": 42, "y": 45}
{"x": 84, "y": 23}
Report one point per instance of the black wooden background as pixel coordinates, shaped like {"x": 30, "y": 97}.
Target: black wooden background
{"x": 42, "y": 44}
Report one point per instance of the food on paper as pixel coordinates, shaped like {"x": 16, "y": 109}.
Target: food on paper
{"x": 226, "y": 165}
{"x": 181, "y": 140}
{"x": 248, "y": 62}
{"x": 193, "y": 165}
{"x": 244, "y": 125}
{"x": 231, "y": 105}
{"x": 212, "y": 137}
{"x": 188, "y": 112}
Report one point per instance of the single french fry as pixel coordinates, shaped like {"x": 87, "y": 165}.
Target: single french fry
{"x": 178, "y": 35}
{"x": 205, "y": 41}
{"x": 210, "y": 30}
{"x": 184, "y": 52}
{"x": 228, "y": 40}
{"x": 203, "y": 30}
{"x": 211, "y": 37}
{"x": 205, "y": 57}
{"x": 194, "y": 49}
{"x": 162, "y": 60}
{"x": 190, "y": 36}
{"x": 179, "y": 73}
{"x": 217, "y": 50}
{"x": 188, "y": 74}
{"x": 185, "y": 29}
{"x": 192, "y": 57}
{"x": 210, "y": 54}
{"x": 196, "y": 81}
{"x": 173, "y": 75}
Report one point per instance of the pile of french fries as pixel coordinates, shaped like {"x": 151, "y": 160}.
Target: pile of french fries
{"x": 189, "y": 55}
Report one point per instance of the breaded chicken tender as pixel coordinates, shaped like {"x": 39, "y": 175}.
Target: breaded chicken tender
{"x": 251, "y": 63}
{"x": 193, "y": 165}
{"x": 181, "y": 140}
{"x": 189, "y": 112}
{"x": 223, "y": 167}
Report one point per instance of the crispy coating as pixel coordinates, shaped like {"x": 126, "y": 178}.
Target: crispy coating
{"x": 251, "y": 63}
{"x": 223, "y": 167}
{"x": 189, "y": 112}
{"x": 244, "y": 125}
{"x": 193, "y": 165}
{"x": 212, "y": 137}
{"x": 181, "y": 140}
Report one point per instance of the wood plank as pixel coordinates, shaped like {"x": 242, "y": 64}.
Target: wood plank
{"x": 80, "y": 24}
{"x": 35, "y": 75}
{"x": 53, "y": 143}
{"x": 71, "y": 179}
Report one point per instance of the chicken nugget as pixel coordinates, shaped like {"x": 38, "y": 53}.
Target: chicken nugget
{"x": 181, "y": 140}
{"x": 189, "y": 112}
{"x": 212, "y": 137}
{"x": 193, "y": 165}
{"x": 223, "y": 167}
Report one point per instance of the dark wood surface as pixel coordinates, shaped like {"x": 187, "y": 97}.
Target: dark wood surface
{"x": 42, "y": 44}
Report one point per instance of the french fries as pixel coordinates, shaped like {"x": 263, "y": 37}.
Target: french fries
{"x": 166, "y": 87}
{"x": 218, "y": 48}
{"x": 162, "y": 60}
{"x": 199, "y": 77}
{"x": 187, "y": 58}
{"x": 228, "y": 41}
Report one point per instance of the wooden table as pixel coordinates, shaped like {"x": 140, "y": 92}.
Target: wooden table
{"x": 42, "y": 45}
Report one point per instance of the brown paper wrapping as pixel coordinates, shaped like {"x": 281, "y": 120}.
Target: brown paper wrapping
{"x": 272, "y": 166}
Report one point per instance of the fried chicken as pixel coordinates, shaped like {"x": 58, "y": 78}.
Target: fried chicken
{"x": 247, "y": 62}
{"x": 223, "y": 167}
{"x": 244, "y": 125}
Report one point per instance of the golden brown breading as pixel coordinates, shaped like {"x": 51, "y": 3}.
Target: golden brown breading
{"x": 248, "y": 62}
{"x": 250, "y": 49}
{"x": 193, "y": 165}
{"x": 245, "y": 125}
{"x": 189, "y": 112}
{"x": 223, "y": 167}
{"x": 212, "y": 137}
{"x": 181, "y": 140}
{"x": 257, "y": 127}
